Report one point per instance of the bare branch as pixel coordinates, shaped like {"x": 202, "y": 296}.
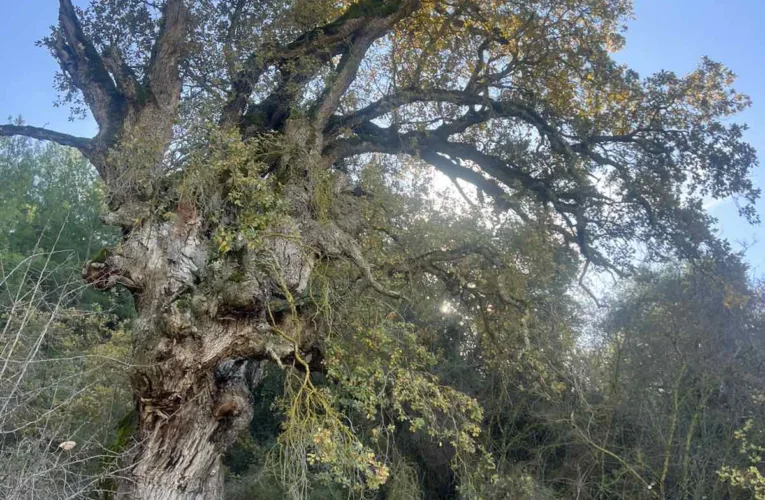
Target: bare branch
{"x": 586, "y": 289}
{"x": 81, "y": 143}
{"x": 352, "y": 57}
{"x": 320, "y": 44}
{"x": 79, "y": 59}
{"x": 456, "y": 184}
{"x": 163, "y": 74}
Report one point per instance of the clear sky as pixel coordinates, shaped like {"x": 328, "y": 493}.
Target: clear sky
{"x": 666, "y": 34}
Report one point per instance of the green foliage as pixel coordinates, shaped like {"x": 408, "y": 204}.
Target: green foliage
{"x": 314, "y": 434}
{"x": 666, "y": 392}
{"x": 224, "y": 182}
{"x": 452, "y": 357}
{"x": 388, "y": 368}
{"x": 50, "y": 203}
{"x": 63, "y": 347}
{"x": 749, "y": 478}
{"x": 391, "y": 355}
{"x": 474, "y": 386}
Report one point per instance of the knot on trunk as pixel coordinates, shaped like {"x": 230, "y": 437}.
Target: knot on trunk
{"x": 226, "y": 409}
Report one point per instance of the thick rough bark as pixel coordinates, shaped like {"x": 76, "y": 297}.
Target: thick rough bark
{"x": 195, "y": 337}
{"x": 179, "y": 455}
{"x": 200, "y": 315}
{"x": 196, "y": 328}
{"x": 203, "y": 319}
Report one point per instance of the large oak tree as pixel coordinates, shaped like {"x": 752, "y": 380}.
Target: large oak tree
{"x": 230, "y": 133}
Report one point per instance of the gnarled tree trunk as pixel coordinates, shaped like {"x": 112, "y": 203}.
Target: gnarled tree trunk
{"x": 193, "y": 352}
{"x": 179, "y": 455}
{"x": 206, "y": 319}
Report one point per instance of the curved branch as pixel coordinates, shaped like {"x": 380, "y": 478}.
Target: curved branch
{"x": 81, "y": 143}
{"x": 400, "y": 98}
{"x": 344, "y": 76}
{"x": 493, "y": 108}
{"x": 360, "y": 43}
{"x": 454, "y": 171}
{"x": 446, "y": 156}
{"x": 431, "y": 147}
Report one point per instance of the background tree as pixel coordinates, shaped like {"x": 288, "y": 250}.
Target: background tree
{"x": 62, "y": 345}
{"x": 657, "y": 406}
{"x": 232, "y": 139}
{"x": 51, "y": 201}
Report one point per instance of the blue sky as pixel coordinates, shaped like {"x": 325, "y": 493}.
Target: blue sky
{"x": 674, "y": 35}
{"x": 666, "y": 34}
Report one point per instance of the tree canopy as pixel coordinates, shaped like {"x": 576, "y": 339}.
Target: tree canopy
{"x": 521, "y": 99}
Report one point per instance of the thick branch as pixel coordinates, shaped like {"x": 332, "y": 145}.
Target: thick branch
{"x": 79, "y": 58}
{"x": 81, "y": 143}
{"x": 400, "y": 98}
{"x": 493, "y": 108}
{"x": 319, "y": 44}
{"x": 375, "y": 139}
{"x": 163, "y": 74}
{"x": 445, "y": 156}
{"x": 352, "y": 57}
{"x": 346, "y": 73}
{"x": 124, "y": 76}
{"x": 451, "y": 169}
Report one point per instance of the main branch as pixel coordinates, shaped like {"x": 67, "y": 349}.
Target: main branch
{"x": 43, "y": 134}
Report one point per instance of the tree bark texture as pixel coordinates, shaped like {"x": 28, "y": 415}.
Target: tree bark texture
{"x": 202, "y": 323}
